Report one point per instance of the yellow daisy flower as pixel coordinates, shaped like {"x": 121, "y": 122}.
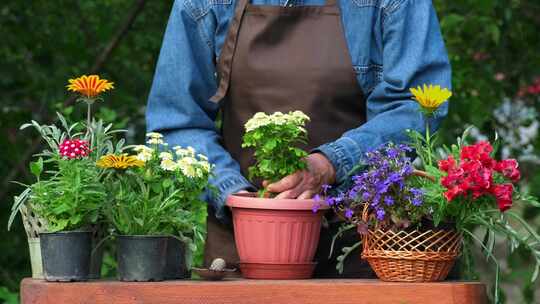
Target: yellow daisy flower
{"x": 89, "y": 86}
{"x": 122, "y": 161}
{"x": 168, "y": 165}
{"x": 430, "y": 97}
{"x": 154, "y": 135}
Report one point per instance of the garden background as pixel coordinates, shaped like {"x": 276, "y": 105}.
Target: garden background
{"x": 493, "y": 46}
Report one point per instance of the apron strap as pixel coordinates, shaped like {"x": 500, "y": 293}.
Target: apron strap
{"x": 227, "y": 52}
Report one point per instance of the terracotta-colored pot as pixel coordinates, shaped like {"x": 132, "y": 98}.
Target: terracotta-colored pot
{"x": 275, "y": 238}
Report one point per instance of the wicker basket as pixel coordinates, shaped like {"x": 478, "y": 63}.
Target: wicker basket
{"x": 416, "y": 256}
{"x": 410, "y": 256}
{"x": 33, "y": 225}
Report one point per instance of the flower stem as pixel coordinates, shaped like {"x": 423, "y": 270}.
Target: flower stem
{"x": 89, "y": 133}
{"x": 428, "y": 142}
{"x": 89, "y": 116}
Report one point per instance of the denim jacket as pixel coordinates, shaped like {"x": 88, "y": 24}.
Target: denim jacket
{"x": 394, "y": 45}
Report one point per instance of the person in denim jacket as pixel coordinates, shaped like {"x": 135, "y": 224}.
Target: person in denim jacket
{"x": 393, "y": 45}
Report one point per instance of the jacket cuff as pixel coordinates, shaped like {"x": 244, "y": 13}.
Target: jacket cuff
{"x": 226, "y": 184}
{"x": 344, "y": 154}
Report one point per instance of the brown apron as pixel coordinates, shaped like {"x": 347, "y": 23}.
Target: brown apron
{"x": 290, "y": 58}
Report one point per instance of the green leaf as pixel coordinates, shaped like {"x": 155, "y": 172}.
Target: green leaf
{"x": 156, "y": 187}
{"x": 37, "y": 168}
{"x": 139, "y": 221}
{"x": 451, "y": 21}
{"x": 495, "y": 32}
{"x": 167, "y": 183}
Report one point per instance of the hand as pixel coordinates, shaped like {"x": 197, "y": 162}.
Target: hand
{"x": 305, "y": 184}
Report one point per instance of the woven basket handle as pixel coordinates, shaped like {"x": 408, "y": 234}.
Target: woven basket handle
{"x": 424, "y": 174}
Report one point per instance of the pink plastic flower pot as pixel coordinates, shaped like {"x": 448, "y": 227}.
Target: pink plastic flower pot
{"x": 275, "y": 238}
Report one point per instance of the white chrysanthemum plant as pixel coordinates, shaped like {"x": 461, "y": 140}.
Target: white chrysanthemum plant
{"x": 158, "y": 190}
{"x": 275, "y": 139}
{"x": 182, "y": 160}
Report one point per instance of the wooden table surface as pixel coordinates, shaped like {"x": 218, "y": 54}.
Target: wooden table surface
{"x": 240, "y": 291}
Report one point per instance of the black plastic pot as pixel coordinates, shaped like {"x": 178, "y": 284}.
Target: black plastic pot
{"x": 175, "y": 267}
{"x": 141, "y": 258}
{"x": 66, "y": 255}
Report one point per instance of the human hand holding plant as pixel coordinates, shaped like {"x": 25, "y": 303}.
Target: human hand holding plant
{"x": 306, "y": 183}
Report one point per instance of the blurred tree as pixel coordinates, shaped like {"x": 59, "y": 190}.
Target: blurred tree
{"x": 44, "y": 44}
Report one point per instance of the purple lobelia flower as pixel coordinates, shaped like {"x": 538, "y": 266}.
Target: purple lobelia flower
{"x": 388, "y": 200}
{"x": 325, "y": 188}
{"x": 417, "y": 196}
{"x": 383, "y": 185}
{"x": 380, "y": 214}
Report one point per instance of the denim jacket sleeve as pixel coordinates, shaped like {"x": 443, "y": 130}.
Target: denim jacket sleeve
{"x": 413, "y": 54}
{"x": 179, "y": 106}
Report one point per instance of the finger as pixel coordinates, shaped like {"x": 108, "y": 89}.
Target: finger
{"x": 307, "y": 194}
{"x": 265, "y": 183}
{"x": 299, "y": 189}
{"x": 285, "y": 195}
{"x": 286, "y": 183}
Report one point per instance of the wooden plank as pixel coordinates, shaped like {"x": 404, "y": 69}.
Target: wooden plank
{"x": 253, "y": 292}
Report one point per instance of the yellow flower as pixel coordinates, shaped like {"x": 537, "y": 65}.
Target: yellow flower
{"x": 144, "y": 153}
{"x": 142, "y": 148}
{"x": 144, "y": 156}
{"x": 430, "y": 97}
{"x": 89, "y": 86}
{"x": 122, "y": 161}
{"x": 165, "y": 155}
{"x": 154, "y": 135}
{"x": 189, "y": 151}
{"x": 156, "y": 141}
{"x": 168, "y": 165}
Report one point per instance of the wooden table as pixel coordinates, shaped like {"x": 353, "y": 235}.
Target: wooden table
{"x": 253, "y": 292}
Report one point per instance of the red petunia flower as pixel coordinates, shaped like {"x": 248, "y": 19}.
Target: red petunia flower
{"x": 74, "y": 148}
{"x": 452, "y": 193}
{"x": 473, "y": 175}
{"x": 503, "y": 194}
{"x": 480, "y": 151}
{"x": 447, "y": 164}
{"x": 509, "y": 168}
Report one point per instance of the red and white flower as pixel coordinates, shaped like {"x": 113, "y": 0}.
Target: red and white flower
{"x": 74, "y": 149}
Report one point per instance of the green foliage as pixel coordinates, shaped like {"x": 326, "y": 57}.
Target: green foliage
{"x": 492, "y": 45}
{"x": 8, "y": 297}
{"x": 70, "y": 195}
{"x": 162, "y": 196}
{"x": 72, "y": 198}
{"x": 274, "y": 139}
{"x": 44, "y": 44}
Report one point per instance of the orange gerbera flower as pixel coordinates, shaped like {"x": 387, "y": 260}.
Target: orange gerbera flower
{"x": 89, "y": 86}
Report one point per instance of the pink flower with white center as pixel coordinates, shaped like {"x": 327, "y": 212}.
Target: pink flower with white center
{"x": 74, "y": 149}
